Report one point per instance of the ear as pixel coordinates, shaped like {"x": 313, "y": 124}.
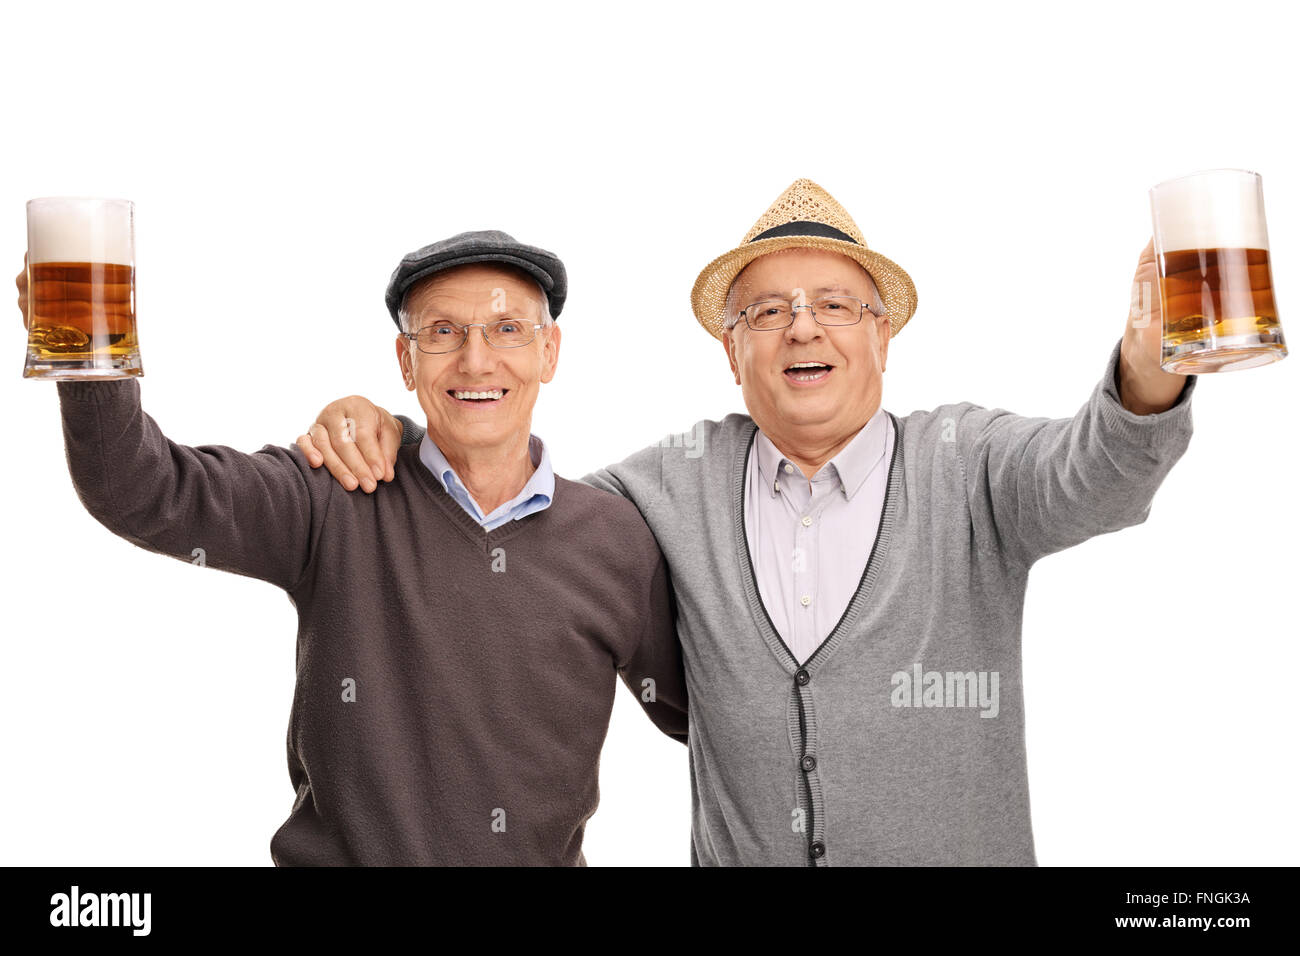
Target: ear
{"x": 882, "y": 333}
{"x": 550, "y": 352}
{"x": 405, "y": 362}
{"x": 729, "y": 343}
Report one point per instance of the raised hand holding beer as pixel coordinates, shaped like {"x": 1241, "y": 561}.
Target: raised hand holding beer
{"x": 1144, "y": 387}
{"x": 78, "y": 289}
{"x": 1215, "y": 280}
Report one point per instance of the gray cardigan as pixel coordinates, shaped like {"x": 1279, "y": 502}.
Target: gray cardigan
{"x": 901, "y": 740}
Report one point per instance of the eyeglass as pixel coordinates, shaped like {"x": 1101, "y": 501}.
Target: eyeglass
{"x": 771, "y": 315}
{"x": 448, "y": 336}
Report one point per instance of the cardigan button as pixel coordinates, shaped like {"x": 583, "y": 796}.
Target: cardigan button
{"x": 801, "y": 676}
{"x": 808, "y": 763}
{"x": 817, "y": 850}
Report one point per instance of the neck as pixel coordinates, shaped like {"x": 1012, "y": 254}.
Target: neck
{"x": 809, "y": 458}
{"x": 493, "y": 474}
{"x": 810, "y": 450}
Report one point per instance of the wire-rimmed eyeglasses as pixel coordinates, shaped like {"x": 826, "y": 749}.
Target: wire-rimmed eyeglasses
{"x": 444, "y": 336}
{"x": 771, "y": 315}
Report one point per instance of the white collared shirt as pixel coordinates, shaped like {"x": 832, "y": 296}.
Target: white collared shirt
{"x": 810, "y": 539}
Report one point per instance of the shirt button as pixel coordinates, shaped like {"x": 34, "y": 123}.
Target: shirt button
{"x": 817, "y": 850}
{"x": 807, "y": 520}
{"x": 805, "y": 600}
{"x": 808, "y": 763}
{"x": 802, "y": 677}
{"x": 789, "y": 468}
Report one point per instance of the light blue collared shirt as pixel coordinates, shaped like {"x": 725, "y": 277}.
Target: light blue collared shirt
{"x": 535, "y": 496}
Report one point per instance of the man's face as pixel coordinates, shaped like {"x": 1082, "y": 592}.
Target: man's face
{"x": 511, "y": 377}
{"x": 819, "y": 406}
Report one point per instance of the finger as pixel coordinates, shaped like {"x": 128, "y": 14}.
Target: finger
{"x": 21, "y": 282}
{"x": 368, "y": 444}
{"x": 1149, "y": 253}
{"x": 341, "y": 472}
{"x": 313, "y": 455}
{"x": 342, "y": 437}
{"x": 390, "y": 441}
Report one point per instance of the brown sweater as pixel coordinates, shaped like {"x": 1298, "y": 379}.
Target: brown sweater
{"x": 454, "y": 686}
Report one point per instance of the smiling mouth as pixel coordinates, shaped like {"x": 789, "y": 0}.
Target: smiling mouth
{"x": 478, "y": 397}
{"x": 807, "y": 373}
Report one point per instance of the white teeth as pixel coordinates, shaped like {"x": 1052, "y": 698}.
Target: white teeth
{"x": 492, "y": 393}
{"x": 822, "y": 370}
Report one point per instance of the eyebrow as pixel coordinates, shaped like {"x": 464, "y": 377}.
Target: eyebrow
{"x": 836, "y": 289}
{"x": 434, "y": 315}
{"x": 437, "y": 314}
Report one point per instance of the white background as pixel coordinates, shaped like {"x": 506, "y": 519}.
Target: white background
{"x": 282, "y": 158}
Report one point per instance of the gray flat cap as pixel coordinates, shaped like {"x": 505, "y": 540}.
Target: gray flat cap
{"x": 489, "y": 245}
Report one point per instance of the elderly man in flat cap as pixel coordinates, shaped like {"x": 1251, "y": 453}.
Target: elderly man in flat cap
{"x": 851, "y": 582}
{"x": 459, "y": 635}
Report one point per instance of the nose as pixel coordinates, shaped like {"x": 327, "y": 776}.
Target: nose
{"x": 476, "y": 355}
{"x": 804, "y": 328}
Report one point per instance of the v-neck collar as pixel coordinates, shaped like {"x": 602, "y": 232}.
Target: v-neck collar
{"x": 879, "y": 550}
{"x": 462, "y": 519}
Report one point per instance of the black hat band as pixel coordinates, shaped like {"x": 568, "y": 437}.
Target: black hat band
{"x": 801, "y": 228}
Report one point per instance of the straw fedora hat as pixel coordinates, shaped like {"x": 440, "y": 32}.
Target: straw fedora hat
{"x": 804, "y": 216}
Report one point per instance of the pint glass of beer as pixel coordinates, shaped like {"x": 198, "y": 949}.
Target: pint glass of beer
{"x": 81, "y": 289}
{"x": 1216, "y": 285}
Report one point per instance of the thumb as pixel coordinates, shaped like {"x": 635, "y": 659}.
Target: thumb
{"x": 1149, "y": 253}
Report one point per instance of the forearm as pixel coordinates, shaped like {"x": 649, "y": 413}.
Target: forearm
{"x": 249, "y": 514}
{"x": 1039, "y": 485}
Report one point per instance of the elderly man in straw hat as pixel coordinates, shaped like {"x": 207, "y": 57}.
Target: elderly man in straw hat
{"x": 850, "y": 582}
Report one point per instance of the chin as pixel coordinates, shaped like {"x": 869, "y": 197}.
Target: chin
{"x": 809, "y": 411}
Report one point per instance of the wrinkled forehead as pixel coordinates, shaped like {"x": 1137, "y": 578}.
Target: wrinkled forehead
{"x": 500, "y": 285}
{"x": 814, "y": 271}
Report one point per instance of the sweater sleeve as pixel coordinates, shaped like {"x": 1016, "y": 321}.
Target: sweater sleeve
{"x": 249, "y": 514}
{"x": 654, "y": 672}
{"x": 1037, "y": 485}
{"x": 638, "y": 477}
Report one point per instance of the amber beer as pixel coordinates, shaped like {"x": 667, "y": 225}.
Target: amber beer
{"x": 1216, "y": 283}
{"x": 81, "y": 289}
{"x": 1228, "y": 292}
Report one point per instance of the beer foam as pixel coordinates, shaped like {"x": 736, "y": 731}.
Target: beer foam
{"x": 1218, "y": 208}
{"x": 75, "y": 229}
